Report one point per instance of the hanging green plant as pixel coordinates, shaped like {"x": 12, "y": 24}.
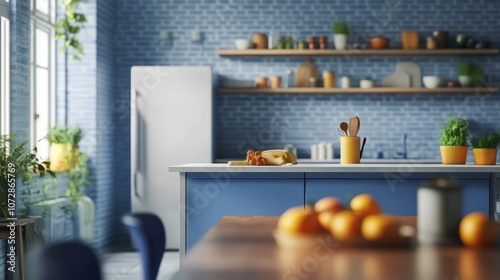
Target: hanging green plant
{"x": 67, "y": 29}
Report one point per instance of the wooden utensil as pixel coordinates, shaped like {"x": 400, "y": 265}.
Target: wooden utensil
{"x": 353, "y": 126}
{"x": 304, "y": 72}
{"x": 358, "y": 126}
{"x": 344, "y": 126}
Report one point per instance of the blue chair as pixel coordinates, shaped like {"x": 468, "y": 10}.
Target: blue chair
{"x": 67, "y": 260}
{"x": 148, "y": 236}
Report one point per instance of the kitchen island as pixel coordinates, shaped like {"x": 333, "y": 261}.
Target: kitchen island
{"x": 211, "y": 191}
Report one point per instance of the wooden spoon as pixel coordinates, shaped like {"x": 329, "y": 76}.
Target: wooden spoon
{"x": 344, "y": 126}
{"x": 359, "y": 125}
{"x": 353, "y": 126}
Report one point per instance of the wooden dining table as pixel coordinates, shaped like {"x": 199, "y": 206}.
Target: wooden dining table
{"x": 243, "y": 247}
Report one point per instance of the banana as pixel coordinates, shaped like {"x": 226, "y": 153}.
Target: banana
{"x": 279, "y": 157}
{"x": 268, "y": 157}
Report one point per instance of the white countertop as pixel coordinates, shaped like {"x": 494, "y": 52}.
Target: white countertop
{"x": 403, "y": 166}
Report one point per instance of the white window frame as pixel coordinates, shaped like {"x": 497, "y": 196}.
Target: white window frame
{"x": 43, "y": 22}
{"x": 4, "y": 68}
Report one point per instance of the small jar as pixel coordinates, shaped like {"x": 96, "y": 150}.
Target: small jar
{"x": 275, "y": 82}
{"x": 301, "y": 45}
{"x": 281, "y": 43}
{"x": 345, "y": 82}
{"x": 323, "y": 42}
{"x": 312, "y": 81}
{"x": 289, "y": 43}
{"x": 328, "y": 79}
{"x": 312, "y": 43}
{"x": 439, "y": 203}
{"x": 431, "y": 43}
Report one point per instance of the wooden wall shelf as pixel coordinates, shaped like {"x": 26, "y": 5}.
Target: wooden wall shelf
{"x": 375, "y": 90}
{"x": 363, "y": 52}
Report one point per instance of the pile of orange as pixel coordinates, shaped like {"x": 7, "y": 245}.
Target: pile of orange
{"x": 364, "y": 222}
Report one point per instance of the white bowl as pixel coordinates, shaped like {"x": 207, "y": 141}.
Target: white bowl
{"x": 432, "y": 81}
{"x": 242, "y": 44}
{"x": 366, "y": 83}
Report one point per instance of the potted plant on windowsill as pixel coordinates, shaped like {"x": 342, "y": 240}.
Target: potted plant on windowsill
{"x": 484, "y": 148}
{"x": 17, "y": 162}
{"x": 454, "y": 135}
{"x": 63, "y": 147}
{"x": 65, "y": 156}
{"x": 341, "y": 30}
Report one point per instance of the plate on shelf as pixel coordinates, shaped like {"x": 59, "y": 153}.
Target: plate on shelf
{"x": 413, "y": 70}
{"x": 399, "y": 79}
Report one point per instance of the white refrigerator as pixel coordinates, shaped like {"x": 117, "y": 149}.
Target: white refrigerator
{"x": 171, "y": 124}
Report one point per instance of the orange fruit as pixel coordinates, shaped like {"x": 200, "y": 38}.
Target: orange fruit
{"x": 325, "y": 219}
{"x": 365, "y": 205}
{"x": 331, "y": 204}
{"x": 477, "y": 230}
{"x": 299, "y": 220}
{"x": 346, "y": 226}
{"x": 380, "y": 228}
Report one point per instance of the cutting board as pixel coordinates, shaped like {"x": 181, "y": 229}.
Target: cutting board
{"x": 304, "y": 72}
{"x": 413, "y": 70}
{"x": 397, "y": 79}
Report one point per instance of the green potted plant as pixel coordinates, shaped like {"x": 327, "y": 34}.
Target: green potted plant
{"x": 484, "y": 148}
{"x": 17, "y": 162}
{"x": 63, "y": 147}
{"x": 454, "y": 136}
{"x": 65, "y": 156}
{"x": 476, "y": 76}
{"x": 464, "y": 73}
{"x": 341, "y": 32}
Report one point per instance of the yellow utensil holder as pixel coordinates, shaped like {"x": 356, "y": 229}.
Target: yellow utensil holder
{"x": 349, "y": 149}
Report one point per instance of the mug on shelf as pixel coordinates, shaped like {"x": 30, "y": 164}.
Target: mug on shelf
{"x": 349, "y": 149}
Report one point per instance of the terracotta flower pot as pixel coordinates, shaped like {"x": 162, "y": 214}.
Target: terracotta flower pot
{"x": 454, "y": 154}
{"x": 483, "y": 156}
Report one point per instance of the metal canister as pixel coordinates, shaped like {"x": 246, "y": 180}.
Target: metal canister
{"x": 439, "y": 205}
{"x": 328, "y": 79}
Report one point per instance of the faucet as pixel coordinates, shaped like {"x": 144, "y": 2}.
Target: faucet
{"x": 403, "y": 154}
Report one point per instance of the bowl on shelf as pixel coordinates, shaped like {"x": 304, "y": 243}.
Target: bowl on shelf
{"x": 242, "y": 44}
{"x": 379, "y": 43}
{"x": 432, "y": 81}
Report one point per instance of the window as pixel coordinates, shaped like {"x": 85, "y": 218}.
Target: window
{"x": 42, "y": 73}
{"x": 4, "y": 68}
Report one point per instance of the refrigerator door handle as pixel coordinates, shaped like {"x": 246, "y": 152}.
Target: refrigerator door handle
{"x": 136, "y": 193}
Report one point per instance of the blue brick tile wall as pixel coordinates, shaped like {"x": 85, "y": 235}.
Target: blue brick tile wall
{"x": 88, "y": 102}
{"x": 307, "y": 119}
{"x": 271, "y": 121}
{"x": 20, "y": 69}
{"x": 105, "y": 192}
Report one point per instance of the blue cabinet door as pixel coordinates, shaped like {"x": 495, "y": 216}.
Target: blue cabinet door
{"x": 396, "y": 196}
{"x": 209, "y": 199}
